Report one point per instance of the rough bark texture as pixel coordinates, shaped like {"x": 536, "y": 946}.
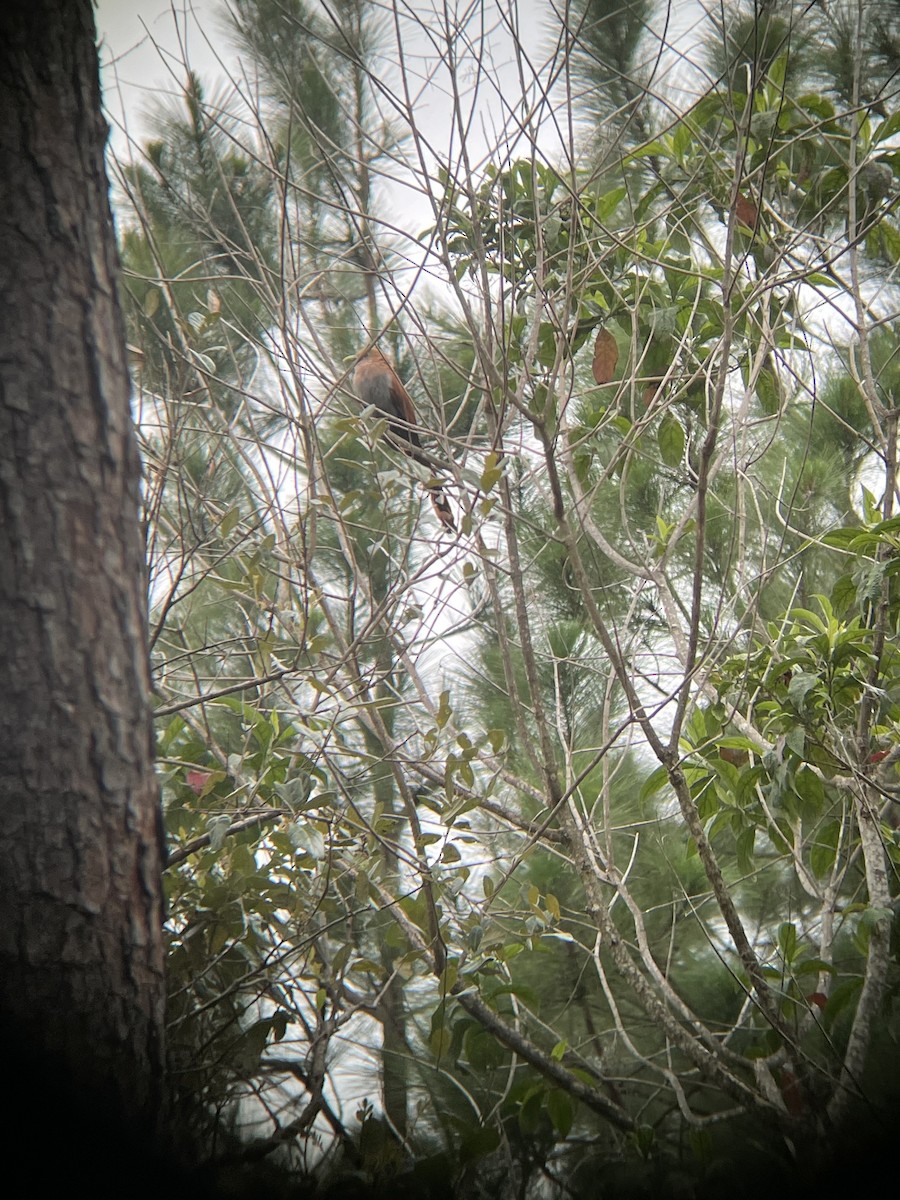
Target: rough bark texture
{"x": 81, "y": 959}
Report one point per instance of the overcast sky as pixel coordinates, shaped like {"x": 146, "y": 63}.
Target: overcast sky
{"x": 140, "y": 53}
{"x": 144, "y": 45}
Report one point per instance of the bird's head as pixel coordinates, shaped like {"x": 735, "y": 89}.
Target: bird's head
{"x": 370, "y": 354}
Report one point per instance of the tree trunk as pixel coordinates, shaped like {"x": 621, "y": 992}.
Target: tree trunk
{"x": 81, "y": 956}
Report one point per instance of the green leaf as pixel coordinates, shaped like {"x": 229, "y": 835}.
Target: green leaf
{"x": 654, "y": 783}
{"x": 872, "y": 916}
{"x": 477, "y": 1142}
{"x": 824, "y": 850}
{"x": 843, "y": 995}
{"x": 841, "y": 538}
{"x": 802, "y": 683}
{"x": 671, "y": 440}
{"x": 366, "y": 966}
{"x": 151, "y": 302}
{"x": 440, "y": 1041}
{"x": 811, "y": 791}
{"x": 682, "y": 139}
{"x": 796, "y": 741}
{"x": 444, "y": 711}
{"x": 609, "y": 202}
{"x": 888, "y": 127}
{"x": 787, "y": 941}
{"x": 648, "y": 150}
{"x": 482, "y": 1052}
{"x": 530, "y": 1112}
{"x": 217, "y": 827}
{"x": 744, "y": 848}
{"x": 817, "y": 279}
{"x": 768, "y": 392}
{"x": 817, "y": 104}
{"x": 493, "y": 471}
{"x": 814, "y": 966}
{"x": 843, "y": 595}
{"x": 559, "y": 1109}
{"x": 644, "y": 1139}
{"x": 497, "y": 739}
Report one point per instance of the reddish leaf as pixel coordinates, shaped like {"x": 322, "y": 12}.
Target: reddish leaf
{"x": 746, "y": 211}
{"x": 792, "y": 1093}
{"x": 197, "y": 780}
{"x": 606, "y": 355}
{"x": 818, "y": 998}
{"x": 649, "y": 393}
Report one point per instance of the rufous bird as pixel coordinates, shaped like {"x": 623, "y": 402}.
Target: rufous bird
{"x": 378, "y": 384}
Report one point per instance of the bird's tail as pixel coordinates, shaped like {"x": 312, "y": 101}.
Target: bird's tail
{"x": 436, "y": 493}
{"x": 441, "y": 506}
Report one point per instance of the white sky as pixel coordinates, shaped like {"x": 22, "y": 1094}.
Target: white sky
{"x": 143, "y": 44}
{"x": 146, "y": 43}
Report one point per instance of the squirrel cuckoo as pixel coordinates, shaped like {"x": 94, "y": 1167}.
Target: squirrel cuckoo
{"x": 378, "y": 384}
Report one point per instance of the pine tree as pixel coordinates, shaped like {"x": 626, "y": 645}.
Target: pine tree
{"x": 588, "y": 808}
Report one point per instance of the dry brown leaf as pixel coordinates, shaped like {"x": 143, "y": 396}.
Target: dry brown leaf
{"x": 606, "y": 355}
{"x": 650, "y": 390}
{"x": 746, "y": 211}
